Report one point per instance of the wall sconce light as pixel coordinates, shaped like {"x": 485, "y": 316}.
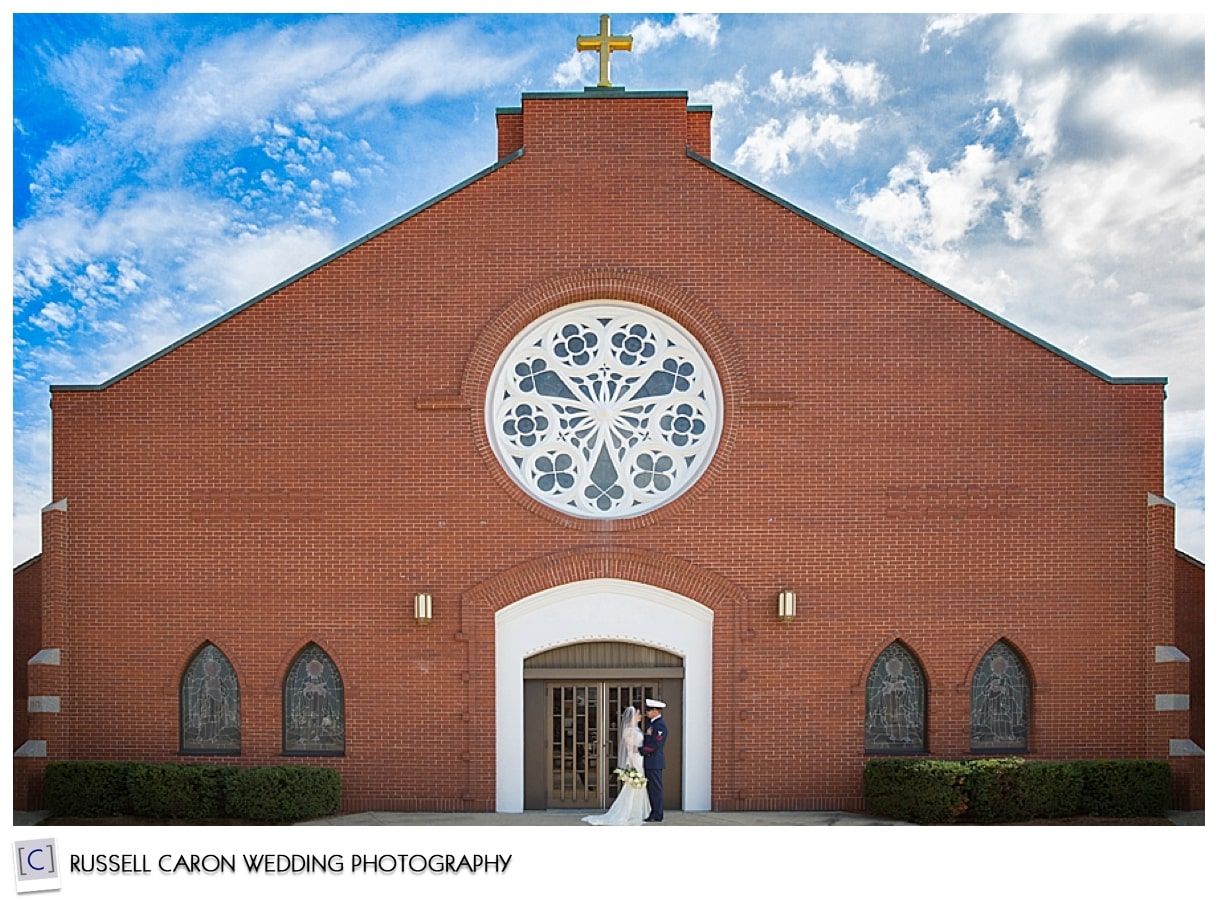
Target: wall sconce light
{"x": 422, "y": 608}
{"x": 786, "y": 606}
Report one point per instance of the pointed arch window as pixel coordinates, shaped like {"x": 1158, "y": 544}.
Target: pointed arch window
{"x": 1000, "y": 702}
{"x": 314, "y": 715}
{"x": 896, "y": 703}
{"x": 209, "y": 708}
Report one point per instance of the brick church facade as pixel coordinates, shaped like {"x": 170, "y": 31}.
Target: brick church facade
{"x": 606, "y": 421}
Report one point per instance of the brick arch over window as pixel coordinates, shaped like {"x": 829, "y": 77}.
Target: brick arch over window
{"x": 314, "y": 705}
{"x": 613, "y": 285}
{"x": 896, "y": 703}
{"x": 1000, "y": 701}
{"x": 209, "y": 704}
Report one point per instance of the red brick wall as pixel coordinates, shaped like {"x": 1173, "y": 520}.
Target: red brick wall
{"x": 700, "y": 132}
{"x": 511, "y": 131}
{"x": 1190, "y": 637}
{"x": 27, "y": 636}
{"x": 912, "y": 468}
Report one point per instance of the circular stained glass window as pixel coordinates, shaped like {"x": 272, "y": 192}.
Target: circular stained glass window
{"x": 604, "y": 410}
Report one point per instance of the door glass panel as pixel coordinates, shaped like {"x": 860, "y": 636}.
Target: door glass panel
{"x": 574, "y": 755}
{"x": 584, "y": 732}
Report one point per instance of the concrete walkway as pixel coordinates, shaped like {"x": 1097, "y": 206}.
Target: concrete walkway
{"x": 572, "y": 817}
{"x": 554, "y": 818}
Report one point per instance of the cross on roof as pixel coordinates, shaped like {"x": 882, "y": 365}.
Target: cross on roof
{"x": 604, "y": 43}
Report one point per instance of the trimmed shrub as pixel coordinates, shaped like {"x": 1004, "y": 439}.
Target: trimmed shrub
{"x": 87, "y": 789}
{"x": 192, "y": 791}
{"x": 1014, "y": 790}
{"x": 993, "y": 788}
{"x": 178, "y": 791}
{"x": 1124, "y": 787}
{"x": 283, "y": 793}
{"x": 1049, "y": 790}
{"x": 926, "y": 791}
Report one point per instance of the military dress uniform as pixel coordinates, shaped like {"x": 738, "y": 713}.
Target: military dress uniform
{"x": 655, "y": 736}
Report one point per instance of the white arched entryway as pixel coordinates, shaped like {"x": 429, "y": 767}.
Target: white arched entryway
{"x": 603, "y": 609}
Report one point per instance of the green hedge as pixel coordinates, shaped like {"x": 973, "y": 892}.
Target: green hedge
{"x": 283, "y": 793}
{"x": 1125, "y": 787}
{"x": 179, "y": 791}
{"x": 188, "y": 791}
{"x": 992, "y": 786}
{"x": 1014, "y": 790}
{"x": 916, "y": 790}
{"x": 1049, "y": 790}
{"x": 87, "y": 789}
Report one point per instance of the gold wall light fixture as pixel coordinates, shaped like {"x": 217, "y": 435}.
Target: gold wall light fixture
{"x": 786, "y": 606}
{"x": 422, "y": 608}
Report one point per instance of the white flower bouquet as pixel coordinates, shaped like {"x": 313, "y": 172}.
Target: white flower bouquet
{"x": 631, "y": 776}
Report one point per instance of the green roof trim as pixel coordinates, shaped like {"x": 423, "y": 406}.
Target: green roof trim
{"x": 613, "y": 93}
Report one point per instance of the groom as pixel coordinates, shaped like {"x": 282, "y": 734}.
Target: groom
{"x": 654, "y": 739}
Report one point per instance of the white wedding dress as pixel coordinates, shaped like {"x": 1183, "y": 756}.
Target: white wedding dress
{"x": 631, "y": 806}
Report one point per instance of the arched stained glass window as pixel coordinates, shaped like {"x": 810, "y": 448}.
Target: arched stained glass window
{"x": 1000, "y": 702}
{"x": 896, "y": 703}
{"x": 210, "y": 704}
{"x": 604, "y": 410}
{"x": 314, "y": 719}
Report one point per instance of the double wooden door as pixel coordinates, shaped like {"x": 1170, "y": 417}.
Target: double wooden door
{"x": 574, "y": 696}
{"x": 584, "y": 730}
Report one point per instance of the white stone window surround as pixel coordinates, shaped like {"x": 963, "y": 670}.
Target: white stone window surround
{"x": 604, "y": 409}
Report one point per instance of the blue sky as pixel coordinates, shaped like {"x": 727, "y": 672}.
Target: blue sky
{"x": 167, "y": 168}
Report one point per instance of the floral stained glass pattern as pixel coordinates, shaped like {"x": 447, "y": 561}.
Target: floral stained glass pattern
{"x": 604, "y": 410}
{"x": 210, "y": 704}
{"x": 999, "y": 703}
{"x": 896, "y": 704}
{"x": 314, "y": 721}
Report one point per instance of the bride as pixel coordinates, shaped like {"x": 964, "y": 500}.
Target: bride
{"x": 631, "y": 806}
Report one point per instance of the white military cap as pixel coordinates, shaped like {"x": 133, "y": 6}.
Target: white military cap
{"x": 655, "y": 704}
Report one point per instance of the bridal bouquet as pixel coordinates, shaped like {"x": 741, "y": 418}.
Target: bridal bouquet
{"x": 631, "y": 776}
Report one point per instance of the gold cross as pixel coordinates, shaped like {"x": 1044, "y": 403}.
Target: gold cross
{"x": 604, "y": 44}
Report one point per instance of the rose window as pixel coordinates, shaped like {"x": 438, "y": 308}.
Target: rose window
{"x": 604, "y": 410}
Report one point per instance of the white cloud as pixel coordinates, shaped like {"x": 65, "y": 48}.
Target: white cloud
{"x": 446, "y": 62}
{"x": 127, "y": 56}
{"x": 649, "y": 35}
{"x": 574, "y": 70}
{"x": 932, "y": 210}
{"x": 1184, "y": 446}
{"x": 93, "y": 76}
{"x": 722, "y": 95}
{"x": 1021, "y": 200}
{"x": 950, "y": 26}
{"x": 54, "y": 316}
{"x": 233, "y": 271}
{"x": 1038, "y": 104}
{"x": 772, "y": 147}
{"x": 235, "y": 84}
{"x": 828, "y": 79}
{"x": 31, "y": 453}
